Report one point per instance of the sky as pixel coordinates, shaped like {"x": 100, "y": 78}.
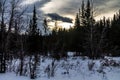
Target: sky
{"x": 66, "y": 9}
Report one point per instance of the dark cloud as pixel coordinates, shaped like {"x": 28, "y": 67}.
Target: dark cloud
{"x": 55, "y": 16}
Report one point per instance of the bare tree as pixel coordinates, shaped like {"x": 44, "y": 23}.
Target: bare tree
{"x": 16, "y": 21}
{"x": 14, "y": 5}
{"x": 2, "y": 24}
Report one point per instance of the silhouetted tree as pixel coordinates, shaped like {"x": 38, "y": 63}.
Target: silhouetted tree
{"x": 34, "y": 44}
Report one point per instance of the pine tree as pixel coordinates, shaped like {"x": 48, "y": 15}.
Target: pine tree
{"x": 33, "y": 24}
{"x": 77, "y": 21}
{"x": 83, "y": 14}
{"x": 88, "y": 25}
{"x": 34, "y": 37}
{"x": 34, "y": 44}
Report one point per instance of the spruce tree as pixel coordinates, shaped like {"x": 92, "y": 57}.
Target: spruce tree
{"x": 34, "y": 44}
{"x": 77, "y": 21}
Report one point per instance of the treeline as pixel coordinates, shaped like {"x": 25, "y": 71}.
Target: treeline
{"x": 88, "y": 37}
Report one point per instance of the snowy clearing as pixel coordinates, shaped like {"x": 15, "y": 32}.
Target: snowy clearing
{"x": 73, "y": 68}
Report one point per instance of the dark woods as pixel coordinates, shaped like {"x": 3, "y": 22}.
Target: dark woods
{"x": 88, "y": 37}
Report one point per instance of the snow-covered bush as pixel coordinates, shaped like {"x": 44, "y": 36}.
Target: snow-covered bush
{"x": 50, "y": 69}
{"x": 66, "y": 66}
{"x": 110, "y": 62}
{"x": 101, "y": 69}
{"x": 91, "y": 65}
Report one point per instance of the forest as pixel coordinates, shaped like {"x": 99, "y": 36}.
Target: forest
{"x": 88, "y": 37}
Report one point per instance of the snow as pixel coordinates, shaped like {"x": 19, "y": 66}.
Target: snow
{"x": 77, "y": 69}
{"x": 12, "y": 76}
{"x": 70, "y": 54}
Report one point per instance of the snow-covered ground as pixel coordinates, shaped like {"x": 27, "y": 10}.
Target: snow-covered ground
{"x": 73, "y": 68}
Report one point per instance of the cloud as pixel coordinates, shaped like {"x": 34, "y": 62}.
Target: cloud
{"x": 55, "y": 16}
{"x": 65, "y": 7}
{"x": 106, "y": 6}
{"x": 40, "y": 14}
{"x": 37, "y": 3}
{"x": 70, "y": 7}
